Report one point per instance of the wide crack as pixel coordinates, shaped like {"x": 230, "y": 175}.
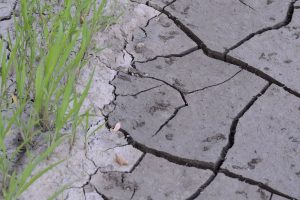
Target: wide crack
{"x": 229, "y": 144}
{"x": 199, "y": 165}
{"x": 214, "y": 167}
{"x": 255, "y": 183}
{"x": 219, "y": 55}
{"x": 233, "y": 128}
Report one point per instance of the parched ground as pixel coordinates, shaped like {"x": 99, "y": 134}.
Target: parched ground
{"x": 208, "y": 97}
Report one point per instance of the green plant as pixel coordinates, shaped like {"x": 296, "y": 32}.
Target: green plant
{"x": 37, "y": 84}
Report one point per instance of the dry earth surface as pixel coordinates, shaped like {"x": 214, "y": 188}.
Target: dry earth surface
{"x": 208, "y": 97}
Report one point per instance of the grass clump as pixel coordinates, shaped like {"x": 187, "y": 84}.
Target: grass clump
{"x": 40, "y": 61}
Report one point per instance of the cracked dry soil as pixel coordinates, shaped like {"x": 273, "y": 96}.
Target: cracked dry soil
{"x": 208, "y": 96}
{"x": 200, "y": 95}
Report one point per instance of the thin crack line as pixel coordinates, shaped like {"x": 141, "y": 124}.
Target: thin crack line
{"x": 144, "y": 31}
{"x": 130, "y": 54}
{"x": 142, "y": 91}
{"x": 91, "y": 160}
{"x": 89, "y": 180}
{"x": 168, "y": 4}
{"x": 139, "y": 74}
{"x": 222, "y": 56}
{"x": 137, "y": 163}
{"x": 178, "y": 55}
{"x": 134, "y": 71}
{"x": 149, "y": 20}
{"x": 241, "y": 1}
{"x": 11, "y": 13}
{"x": 90, "y": 176}
{"x": 217, "y": 84}
{"x": 102, "y": 195}
{"x": 233, "y": 127}
{"x": 286, "y": 21}
{"x": 202, "y": 187}
{"x": 169, "y": 119}
{"x": 133, "y": 193}
{"x": 105, "y": 64}
{"x": 83, "y": 190}
{"x": 94, "y": 187}
{"x": 118, "y": 146}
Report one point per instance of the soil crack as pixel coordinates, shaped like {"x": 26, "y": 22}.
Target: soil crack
{"x": 152, "y": 18}
{"x": 169, "y": 119}
{"x": 199, "y": 165}
{"x": 172, "y": 158}
{"x": 137, "y": 163}
{"x": 242, "y": 2}
{"x": 286, "y": 21}
{"x": 102, "y": 195}
{"x": 219, "y": 55}
{"x": 230, "y": 143}
{"x": 202, "y": 187}
{"x": 179, "y": 55}
{"x": 214, "y": 85}
{"x": 12, "y": 12}
{"x": 140, "y": 92}
{"x": 233, "y": 127}
{"x": 255, "y": 183}
{"x": 214, "y": 167}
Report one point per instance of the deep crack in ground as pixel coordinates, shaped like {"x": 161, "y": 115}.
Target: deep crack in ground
{"x": 214, "y": 167}
{"x": 222, "y": 56}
